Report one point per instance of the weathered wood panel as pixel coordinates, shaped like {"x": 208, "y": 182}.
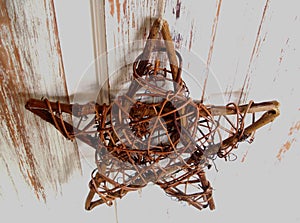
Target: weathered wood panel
{"x": 34, "y": 158}
{"x": 252, "y": 47}
{"x": 252, "y": 51}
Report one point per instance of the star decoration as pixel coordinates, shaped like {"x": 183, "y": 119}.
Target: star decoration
{"x": 155, "y": 132}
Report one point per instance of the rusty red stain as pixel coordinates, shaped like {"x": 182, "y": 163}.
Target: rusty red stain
{"x": 125, "y": 7}
{"x": 211, "y": 48}
{"x": 255, "y": 49}
{"x": 178, "y": 8}
{"x": 258, "y": 47}
{"x": 118, "y": 6}
{"x": 191, "y": 36}
{"x": 286, "y": 147}
{"x": 295, "y": 128}
{"x": 282, "y": 51}
{"x": 112, "y": 7}
{"x": 16, "y": 126}
{"x": 244, "y": 156}
{"x": 281, "y": 56}
{"x": 38, "y": 189}
{"x": 257, "y": 40}
{"x": 213, "y": 33}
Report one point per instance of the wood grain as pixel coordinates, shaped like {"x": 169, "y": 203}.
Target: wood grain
{"x": 33, "y": 156}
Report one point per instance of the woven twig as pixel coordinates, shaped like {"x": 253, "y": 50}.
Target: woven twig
{"x": 155, "y": 132}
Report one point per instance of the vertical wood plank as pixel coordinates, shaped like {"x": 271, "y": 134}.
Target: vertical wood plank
{"x": 100, "y": 49}
{"x": 34, "y": 157}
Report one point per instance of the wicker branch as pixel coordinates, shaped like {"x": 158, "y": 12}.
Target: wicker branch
{"x": 155, "y": 132}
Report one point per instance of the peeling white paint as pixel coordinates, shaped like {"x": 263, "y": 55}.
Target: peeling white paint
{"x": 273, "y": 75}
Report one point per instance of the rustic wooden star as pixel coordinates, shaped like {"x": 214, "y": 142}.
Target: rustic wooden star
{"x": 155, "y": 132}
